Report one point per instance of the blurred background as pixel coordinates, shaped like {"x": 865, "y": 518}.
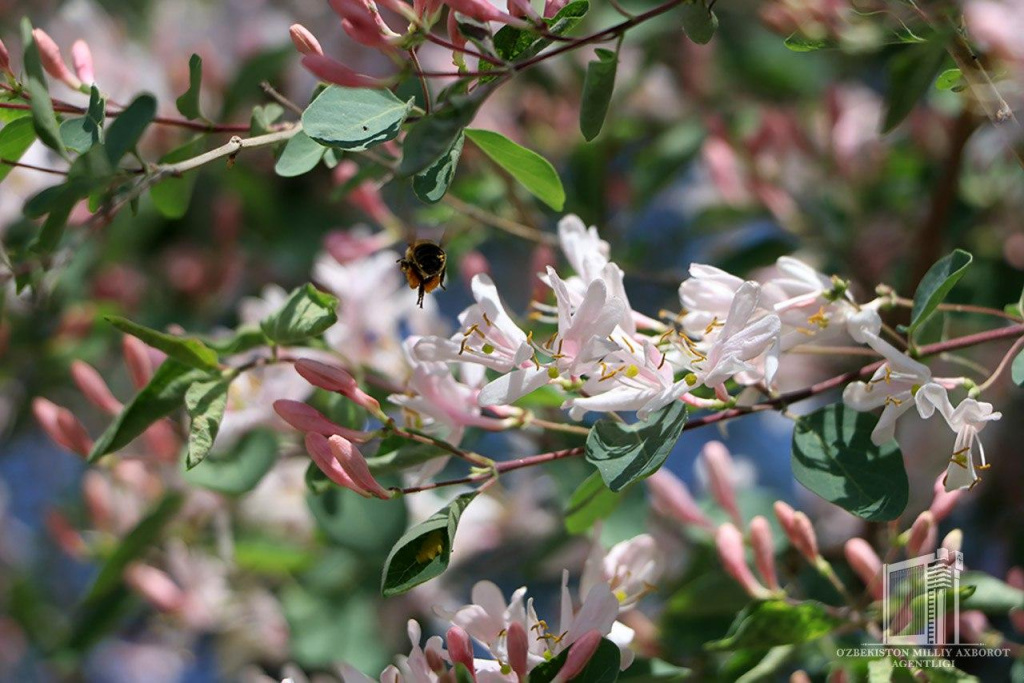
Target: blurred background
{"x": 731, "y": 154}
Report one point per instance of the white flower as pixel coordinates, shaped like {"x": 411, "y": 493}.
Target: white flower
{"x": 967, "y": 420}
{"x": 742, "y": 338}
{"x": 706, "y": 297}
{"x": 630, "y": 568}
{"x": 488, "y": 335}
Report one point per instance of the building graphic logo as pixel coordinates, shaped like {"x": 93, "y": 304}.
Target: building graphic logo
{"x": 921, "y": 600}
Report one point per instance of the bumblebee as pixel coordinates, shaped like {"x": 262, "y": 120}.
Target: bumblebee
{"x": 424, "y": 266}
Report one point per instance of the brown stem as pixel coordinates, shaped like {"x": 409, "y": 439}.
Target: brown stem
{"x": 164, "y": 120}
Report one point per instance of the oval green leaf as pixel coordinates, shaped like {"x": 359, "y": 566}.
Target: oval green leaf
{"x": 15, "y": 139}
{"x": 530, "y": 169}
{"x": 300, "y": 155}
{"x": 238, "y": 469}
{"x": 833, "y": 457}
{"x": 935, "y": 285}
{"x": 205, "y": 403}
{"x": 307, "y": 313}
{"x": 597, "y": 92}
{"x": 124, "y": 133}
{"x": 354, "y": 118}
{"x": 624, "y": 453}
{"x": 432, "y": 184}
{"x": 187, "y": 350}
{"x": 188, "y": 103}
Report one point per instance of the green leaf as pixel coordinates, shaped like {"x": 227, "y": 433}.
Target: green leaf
{"x": 833, "y": 457}
{"x": 239, "y": 469}
{"x": 187, "y": 350}
{"x": 991, "y": 595}
{"x": 911, "y": 72}
{"x": 654, "y": 671}
{"x": 205, "y": 403}
{"x": 164, "y": 393}
{"x": 368, "y": 526}
{"x": 64, "y": 201}
{"x": 1017, "y": 369}
{"x": 699, "y": 22}
{"x": 514, "y": 44}
{"x": 424, "y": 551}
{"x": 462, "y": 674}
{"x": 768, "y": 623}
{"x": 949, "y": 79}
{"x": 432, "y": 184}
{"x": 798, "y": 42}
{"x": 15, "y": 139}
{"x": 263, "y": 117}
{"x": 44, "y": 119}
{"x": 124, "y": 133}
{"x": 625, "y": 453}
{"x": 533, "y": 171}
{"x": 171, "y": 196}
{"x": 433, "y": 137}
{"x": 81, "y": 133}
{"x": 590, "y": 502}
{"x": 307, "y": 313}
{"x": 603, "y": 666}
{"x": 936, "y": 284}
{"x": 597, "y": 92}
{"x": 188, "y": 104}
{"x": 300, "y": 155}
{"x": 245, "y": 338}
{"x": 354, "y": 118}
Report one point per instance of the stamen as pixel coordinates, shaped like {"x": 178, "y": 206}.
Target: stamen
{"x": 486, "y": 319}
{"x": 632, "y": 349}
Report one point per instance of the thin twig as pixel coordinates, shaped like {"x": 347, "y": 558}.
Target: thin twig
{"x": 509, "y": 226}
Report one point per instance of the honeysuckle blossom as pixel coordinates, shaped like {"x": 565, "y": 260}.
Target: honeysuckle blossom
{"x": 741, "y": 339}
{"x": 631, "y": 569}
{"x": 967, "y": 420}
{"x": 487, "y": 334}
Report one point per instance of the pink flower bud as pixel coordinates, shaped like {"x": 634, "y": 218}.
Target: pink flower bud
{"x": 804, "y": 538}
{"x": 953, "y": 541}
{"x": 784, "y": 513}
{"x": 320, "y": 450}
{"x": 973, "y": 625}
{"x": 482, "y": 10}
{"x": 81, "y": 59}
{"x": 518, "y": 646}
{"x": 427, "y": 11}
{"x": 720, "y": 477}
{"x": 155, "y": 586}
{"x": 305, "y": 418}
{"x": 91, "y": 383}
{"x": 764, "y": 550}
{"x": 1017, "y": 619}
{"x": 65, "y": 535}
{"x": 53, "y": 61}
{"x": 923, "y": 535}
{"x": 354, "y": 464}
{"x": 361, "y": 20}
{"x": 333, "y": 71}
{"x": 473, "y": 263}
{"x": 670, "y": 497}
{"x": 460, "y": 648}
{"x": 305, "y": 42}
{"x": 799, "y": 676}
{"x": 97, "y": 498}
{"x": 5, "y": 59}
{"x": 553, "y": 7}
{"x": 943, "y": 501}
{"x": 864, "y": 561}
{"x": 138, "y": 361}
{"x": 333, "y": 378}
{"x": 521, "y": 9}
{"x": 580, "y": 653}
{"x": 1015, "y": 577}
{"x": 61, "y": 426}
{"x": 729, "y": 543}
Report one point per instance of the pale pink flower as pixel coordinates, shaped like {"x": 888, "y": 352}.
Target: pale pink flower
{"x": 305, "y": 42}
{"x": 631, "y": 569}
{"x": 729, "y": 543}
{"x": 332, "y": 71}
{"x": 53, "y": 61}
{"x": 865, "y": 563}
{"x": 670, "y": 497}
{"x": 94, "y": 387}
{"x": 721, "y": 475}
{"x": 764, "y": 551}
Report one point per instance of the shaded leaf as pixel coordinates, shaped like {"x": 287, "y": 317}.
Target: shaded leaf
{"x": 187, "y": 350}
{"x": 15, "y": 139}
{"x": 590, "y": 502}
{"x": 188, "y": 103}
{"x": 768, "y": 623}
{"x": 424, "y": 551}
{"x": 798, "y": 42}
{"x": 124, "y": 133}
{"x": 597, "y": 92}
{"x": 530, "y": 169}
{"x": 911, "y": 72}
{"x": 515, "y": 44}
{"x": 171, "y": 196}
{"x": 369, "y": 526}
{"x": 991, "y": 595}
{"x": 699, "y": 21}
{"x": 307, "y": 313}
{"x": 603, "y": 666}
{"x": 81, "y": 133}
{"x": 354, "y": 118}
{"x": 833, "y": 457}
{"x": 624, "y": 453}
{"x": 432, "y": 184}
{"x": 300, "y": 155}
{"x": 238, "y": 469}
{"x": 1017, "y": 369}
{"x": 935, "y": 285}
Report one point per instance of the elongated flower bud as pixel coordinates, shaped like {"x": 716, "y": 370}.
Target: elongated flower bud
{"x": 923, "y": 535}
{"x": 91, "y": 383}
{"x": 97, "y": 498}
{"x": 670, "y": 497}
{"x": 81, "y": 59}
{"x": 53, "y": 61}
{"x": 61, "y": 426}
{"x": 804, "y": 538}
{"x": 333, "y": 378}
{"x": 460, "y": 648}
{"x": 333, "y": 71}
{"x": 155, "y": 586}
{"x": 5, "y": 59}
{"x": 729, "y": 542}
{"x": 864, "y": 561}
{"x": 518, "y": 646}
{"x": 138, "y": 361}
{"x": 720, "y": 477}
{"x": 305, "y": 42}
{"x": 553, "y": 7}
{"x": 65, "y": 536}
{"x": 305, "y": 418}
{"x": 353, "y": 462}
{"x": 764, "y": 550}
{"x": 943, "y": 501}
{"x": 320, "y": 450}
{"x": 580, "y": 653}
{"x": 482, "y": 10}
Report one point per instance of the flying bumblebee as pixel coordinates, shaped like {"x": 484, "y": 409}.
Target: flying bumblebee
{"x": 424, "y": 266}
